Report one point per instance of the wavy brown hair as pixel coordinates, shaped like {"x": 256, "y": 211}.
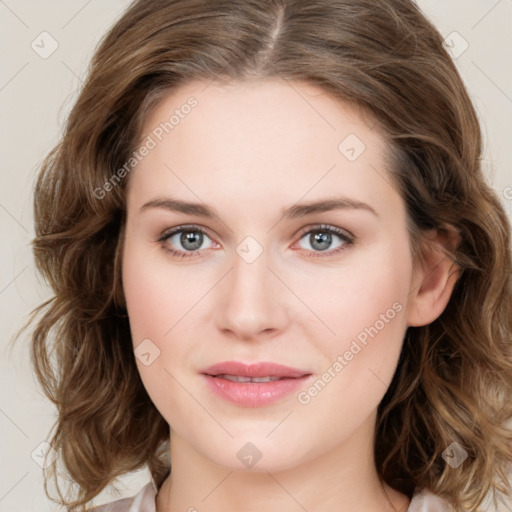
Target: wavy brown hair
{"x": 454, "y": 377}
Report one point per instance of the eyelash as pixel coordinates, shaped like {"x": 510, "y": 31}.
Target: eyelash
{"x": 345, "y": 236}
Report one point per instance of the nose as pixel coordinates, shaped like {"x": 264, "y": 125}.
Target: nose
{"x": 251, "y": 300}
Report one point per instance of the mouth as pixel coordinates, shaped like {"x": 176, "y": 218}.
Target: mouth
{"x": 260, "y": 370}
{"x": 253, "y": 385}
{"x": 239, "y": 378}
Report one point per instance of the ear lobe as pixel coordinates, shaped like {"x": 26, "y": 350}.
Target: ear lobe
{"x": 435, "y": 277}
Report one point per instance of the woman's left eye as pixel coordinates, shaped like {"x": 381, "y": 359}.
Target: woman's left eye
{"x": 320, "y": 239}
{"x": 192, "y": 239}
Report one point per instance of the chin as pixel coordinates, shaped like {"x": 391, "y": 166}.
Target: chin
{"x": 256, "y": 456}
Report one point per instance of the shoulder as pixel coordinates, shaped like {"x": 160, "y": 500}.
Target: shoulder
{"x": 424, "y": 501}
{"x": 143, "y": 501}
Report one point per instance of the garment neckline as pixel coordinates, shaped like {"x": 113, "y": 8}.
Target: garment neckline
{"x": 422, "y": 500}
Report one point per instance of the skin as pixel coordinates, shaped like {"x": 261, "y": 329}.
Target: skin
{"x": 250, "y": 150}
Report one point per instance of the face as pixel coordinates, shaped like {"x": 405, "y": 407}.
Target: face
{"x": 296, "y": 253}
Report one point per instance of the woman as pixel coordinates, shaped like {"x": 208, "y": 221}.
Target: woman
{"x": 276, "y": 266}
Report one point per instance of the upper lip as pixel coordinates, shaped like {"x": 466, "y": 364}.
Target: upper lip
{"x": 260, "y": 369}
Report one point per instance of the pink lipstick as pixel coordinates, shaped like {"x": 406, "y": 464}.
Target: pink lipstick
{"x": 255, "y": 384}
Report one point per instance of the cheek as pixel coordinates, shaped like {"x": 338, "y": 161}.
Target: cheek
{"x": 163, "y": 311}
{"x": 156, "y": 298}
{"x": 366, "y": 312}
{"x": 372, "y": 285}
{"x": 154, "y": 307}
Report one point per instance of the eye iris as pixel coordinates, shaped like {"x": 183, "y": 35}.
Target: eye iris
{"x": 322, "y": 238}
{"x": 193, "y": 237}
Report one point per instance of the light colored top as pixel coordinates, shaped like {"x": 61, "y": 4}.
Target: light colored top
{"x": 145, "y": 501}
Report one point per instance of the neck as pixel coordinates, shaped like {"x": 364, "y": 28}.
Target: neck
{"x": 344, "y": 479}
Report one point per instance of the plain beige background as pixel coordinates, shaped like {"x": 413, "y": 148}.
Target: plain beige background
{"x": 37, "y": 90}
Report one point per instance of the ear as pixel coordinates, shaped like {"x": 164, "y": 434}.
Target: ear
{"x": 434, "y": 276}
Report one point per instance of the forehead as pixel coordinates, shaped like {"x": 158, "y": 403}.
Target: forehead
{"x": 257, "y": 141}
{"x": 256, "y": 112}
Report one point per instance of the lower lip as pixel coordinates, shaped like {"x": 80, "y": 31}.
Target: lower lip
{"x": 254, "y": 394}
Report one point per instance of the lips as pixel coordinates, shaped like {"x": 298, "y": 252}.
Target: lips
{"x": 256, "y": 370}
{"x": 253, "y": 385}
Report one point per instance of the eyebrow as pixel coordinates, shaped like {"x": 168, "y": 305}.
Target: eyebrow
{"x": 293, "y": 212}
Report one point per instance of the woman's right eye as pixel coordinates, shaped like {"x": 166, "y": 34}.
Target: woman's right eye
{"x": 190, "y": 238}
